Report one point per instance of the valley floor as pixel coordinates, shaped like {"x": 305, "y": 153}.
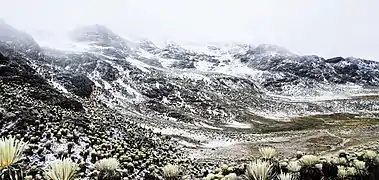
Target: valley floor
{"x": 316, "y": 134}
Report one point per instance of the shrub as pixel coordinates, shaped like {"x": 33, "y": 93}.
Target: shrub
{"x": 268, "y": 152}
{"x": 258, "y": 170}
{"x": 309, "y": 160}
{"x": 107, "y": 169}
{"x": 171, "y": 172}
{"x": 286, "y": 176}
{"x": 293, "y": 166}
{"x": 61, "y": 170}
{"x": 10, "y": 151}
{"x": 110, "y": 164}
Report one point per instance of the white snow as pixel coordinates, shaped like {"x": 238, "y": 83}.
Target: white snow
{"x": 203, "y": 48}
{"x": 181, "y": 132}
{"x": 146, "y": 54}
{"x": 157, "y": 85}
{"x": 219, "y": 143}
{"x": 205, "y": 141}
{"x": 107, "y": 85}
{"x": 228, "y": 66}
{"x": 97, "y": 84}
{"x": 203, "y": 65}
{"x": 62, "y": 42}
{"x": 234, "y": 68}
{"x": 165, "y": 100}
{"x": 273, "y": 114}
{"x": 172, "y": 119}
{"x": 167, "y": 63}
{"x": 106, "y": 56}
{"x": 326, "y": 97}
{"x": 62, "y": 146}
{"x": 59, "y": 86}
{"x": 193, "y": 75}
{"x": 130, "y": 90}
{"x": 238, "y": 69}
{"x": 201, "y": 124}
{"x": 140, "y": 65}
{"x": 337, "y": 94}
{"x": 186, "y": 144}
{"x": 235, "y": 124}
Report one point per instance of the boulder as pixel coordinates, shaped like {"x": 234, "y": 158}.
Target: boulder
{"x": 79, "y": 84}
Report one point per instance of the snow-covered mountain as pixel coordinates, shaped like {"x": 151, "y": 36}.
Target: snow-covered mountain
{"x": 227, "y": 90}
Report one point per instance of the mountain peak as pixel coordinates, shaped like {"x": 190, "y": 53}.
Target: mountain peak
{"x": 93, "y": 33}
{"x": 269, "y": 48}
{"x": 101, "y": 36}
{"x": 19, "y": 39}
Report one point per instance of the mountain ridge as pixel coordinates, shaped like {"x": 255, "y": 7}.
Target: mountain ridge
{"x": 210, "y": 100}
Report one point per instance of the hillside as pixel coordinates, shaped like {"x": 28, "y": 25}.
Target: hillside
{"x": 151, "y": 105}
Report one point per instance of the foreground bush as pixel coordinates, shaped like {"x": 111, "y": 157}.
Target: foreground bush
{"x": 108, "y": 169}
{"x": 342, "y": 166}
{"x": 10, "y": 153}
{"x": 61, "y": 170}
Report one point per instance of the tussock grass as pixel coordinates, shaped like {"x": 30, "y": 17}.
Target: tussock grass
{"x": 109, "y": 164}
{"x": 258, "y": 170}
{"x": 10, "y": 151}
{"x": 171, "y": 172}
{"x": 61, "y": 170}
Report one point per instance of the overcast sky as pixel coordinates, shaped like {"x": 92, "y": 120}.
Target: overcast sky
{"x": 324, "y": 27}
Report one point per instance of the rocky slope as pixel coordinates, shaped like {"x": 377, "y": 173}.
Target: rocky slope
{"x": 59, "y": 126}
{"x": 223, "y": 99}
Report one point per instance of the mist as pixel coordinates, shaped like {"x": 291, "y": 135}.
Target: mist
{"x": 323, "y": 27}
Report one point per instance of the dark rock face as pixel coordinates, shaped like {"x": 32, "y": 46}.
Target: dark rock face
{"x": 149, "y": 46}
{"x": 184, "y": 65}
{"x": 11, "y": 68}
{"x": 357, "y": 71}
{"x": 15, "y": 70}
{"x": 335, "y": 60}
{"x": 150, "y": 61}
{"x": 83, "y": 85}
{"x": 33, "y": 110}
{"x": 186, "y": 59}
{"x": 113, "y": 45}
{"x": 295, "y": 68}
{"x": 301, "y": 66}
{"x": 96, "y": 33}
{"x": 19, "y": 40}
{"x": 108, "y": 72}
{"x": 80, "y": 85}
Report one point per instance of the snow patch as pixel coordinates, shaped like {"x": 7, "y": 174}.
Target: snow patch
{"x": 194, "y": 76}
{"x": 203, "y": 66}
{"x": 146, "y": 54}
{"x": 180, "y": 132}
{"x": 219, "y": 143}
{"x": 187, "y": 144}
{"x": 338, "y": 93}
{"x": 106, "y": 56}
{"x": 62, "y": 42}
{"x": 130, "y": 90}
{"x": 59, "y": 87}
{"x": 167, "y": 63}
{"x": 140, "y": 65}
{"x": 235, "y": 124}
{"x": 206, "y": 142}
{"x": 107, "y": 85}
{"x": 201, "y": 124}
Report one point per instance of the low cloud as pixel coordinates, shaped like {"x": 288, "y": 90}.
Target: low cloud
{"x": 323, "y": 27}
